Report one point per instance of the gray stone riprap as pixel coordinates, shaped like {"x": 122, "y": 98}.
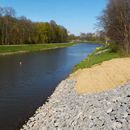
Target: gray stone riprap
{"x": 66, "y": 110}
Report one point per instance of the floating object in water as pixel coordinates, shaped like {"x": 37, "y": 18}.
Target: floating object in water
{"x": 20, "y": 63}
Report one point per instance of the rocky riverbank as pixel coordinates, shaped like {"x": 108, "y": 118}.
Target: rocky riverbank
{"x": 66, "y": 110}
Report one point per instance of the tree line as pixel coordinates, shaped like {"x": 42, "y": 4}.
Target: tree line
{"x": 115, "y": 21}
{"x": 86, "y": 37}
{"x": 97, "y": 36}
{"x": 20, "y": 30}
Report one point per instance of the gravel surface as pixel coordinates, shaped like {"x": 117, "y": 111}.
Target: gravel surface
{"x": 66, "y": 110}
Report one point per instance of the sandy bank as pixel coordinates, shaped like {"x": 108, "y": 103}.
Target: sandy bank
{"x": 98, "y": 78}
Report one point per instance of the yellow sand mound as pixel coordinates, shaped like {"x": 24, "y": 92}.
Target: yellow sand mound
{"x": 108, "y": 75}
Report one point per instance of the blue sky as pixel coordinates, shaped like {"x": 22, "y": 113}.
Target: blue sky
{"x": 76, "y": 15}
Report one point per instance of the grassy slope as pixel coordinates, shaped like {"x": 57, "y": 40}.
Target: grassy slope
{"x": 97, "y": 58}
{"x": 8, "y": 49}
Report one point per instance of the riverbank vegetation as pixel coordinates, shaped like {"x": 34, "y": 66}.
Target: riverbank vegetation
{"x": 20, "y": 30}
{"x": 115, "y": 22}
{"x": 10, "y": 49}
{"x": 98, "y": 37}
{"x": 97, "y": 57}
{"x": 115, "y": 27}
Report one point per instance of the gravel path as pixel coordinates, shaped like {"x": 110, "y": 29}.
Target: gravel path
{"x": 66, "y": 110}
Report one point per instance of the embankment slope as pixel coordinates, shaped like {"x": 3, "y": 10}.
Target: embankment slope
{"x": 102, "y": 77}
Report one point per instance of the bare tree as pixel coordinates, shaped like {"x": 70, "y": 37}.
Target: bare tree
{"x": 116, "y": 23}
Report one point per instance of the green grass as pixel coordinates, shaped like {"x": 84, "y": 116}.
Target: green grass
{"x": 97, "y": 58}
{"x": 10, "y": 49}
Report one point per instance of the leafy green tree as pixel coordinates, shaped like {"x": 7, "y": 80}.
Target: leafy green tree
{"x": 21, "y": 30}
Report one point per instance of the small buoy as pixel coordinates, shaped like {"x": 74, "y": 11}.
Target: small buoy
{"x": 20, "y": 63}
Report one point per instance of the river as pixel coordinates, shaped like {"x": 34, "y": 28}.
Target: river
{"x": 26, "y": 86}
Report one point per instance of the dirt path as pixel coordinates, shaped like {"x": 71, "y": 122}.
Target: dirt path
{"x": 108, "y": 75}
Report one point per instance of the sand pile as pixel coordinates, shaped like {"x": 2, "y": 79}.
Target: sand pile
{"x": 105, "y": 76}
